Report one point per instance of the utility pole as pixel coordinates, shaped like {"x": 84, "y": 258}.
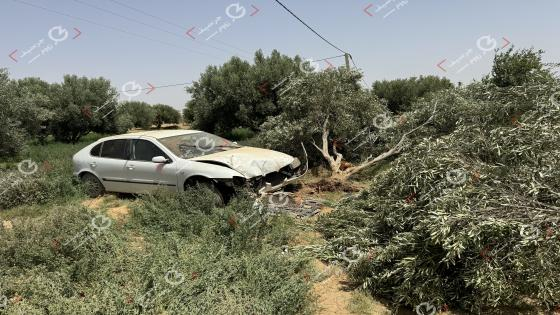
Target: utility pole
{"x": 347, "y": 58}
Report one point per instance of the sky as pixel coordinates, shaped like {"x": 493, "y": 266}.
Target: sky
{"x": 139, "y": 44}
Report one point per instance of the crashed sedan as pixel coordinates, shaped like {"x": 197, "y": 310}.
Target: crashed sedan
{"x": 179, "y": 159}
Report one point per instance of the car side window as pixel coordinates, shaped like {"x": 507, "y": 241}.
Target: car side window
{"x": 115, "y": 149}
{"x": 144, "y": 150}
{"x": 96, "y": 150}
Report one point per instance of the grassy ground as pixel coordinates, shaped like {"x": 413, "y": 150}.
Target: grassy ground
{"x": 162, "y": 253}
{"x": 63, "y": 253}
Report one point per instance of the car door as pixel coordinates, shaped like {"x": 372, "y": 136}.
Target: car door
{"x": 143, "y": 174}
{"x": 110, "y": 166}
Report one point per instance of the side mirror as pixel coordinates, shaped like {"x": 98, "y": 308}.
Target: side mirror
{"x": 159, "y": 159}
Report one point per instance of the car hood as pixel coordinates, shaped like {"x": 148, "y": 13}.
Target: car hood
{"x": 249, "y": 161}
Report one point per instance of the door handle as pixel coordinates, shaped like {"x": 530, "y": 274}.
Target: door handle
{"x": 93, "y": 164}
{"x": 130, "y": 167}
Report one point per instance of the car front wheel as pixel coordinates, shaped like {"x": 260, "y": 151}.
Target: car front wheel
{"x": 219, "y": 200}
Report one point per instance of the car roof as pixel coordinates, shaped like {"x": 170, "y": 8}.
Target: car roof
{"x": 156, "y": 134}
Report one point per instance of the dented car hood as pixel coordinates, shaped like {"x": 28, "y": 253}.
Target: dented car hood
{"x": 249, "y": 161}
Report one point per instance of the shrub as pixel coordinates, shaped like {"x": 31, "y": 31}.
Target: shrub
{"x": 467, "y": 219}
{"x": 208, "y": 264}
{"x": 18, "y": 189}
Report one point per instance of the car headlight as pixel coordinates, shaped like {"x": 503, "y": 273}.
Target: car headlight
{"x": 295, "y": 163}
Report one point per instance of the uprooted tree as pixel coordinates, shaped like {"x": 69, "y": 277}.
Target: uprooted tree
{"x": 469, "y": 218}
{"x": 354, "y": 128}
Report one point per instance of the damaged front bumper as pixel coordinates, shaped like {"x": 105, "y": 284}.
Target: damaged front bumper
{"x": 289, "y": 178}
{"x": 285, "y": 176}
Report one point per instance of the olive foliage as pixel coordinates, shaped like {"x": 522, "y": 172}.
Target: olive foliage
{"x": 469, "y": 217}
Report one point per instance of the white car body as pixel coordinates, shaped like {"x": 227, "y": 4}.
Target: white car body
{"x": 134, "y": 171}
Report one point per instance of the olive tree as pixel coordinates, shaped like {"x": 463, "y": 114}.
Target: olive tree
{"x": 344, "y": 122}
{"x": 165, "y": 114}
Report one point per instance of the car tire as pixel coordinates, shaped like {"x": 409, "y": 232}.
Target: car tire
{"x": 217, "y": 194}
{"x": 92, "y": 186}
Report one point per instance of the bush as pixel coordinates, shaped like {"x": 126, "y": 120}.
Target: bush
{"x": 467, "y": 219}
{"x": 187, "y": 258}
{"x": 17, "y": 189}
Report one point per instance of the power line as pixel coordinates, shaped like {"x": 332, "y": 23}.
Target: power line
{"x": 172, "y": 23}
{"x": 156, "y": 87}
{"x": 329, "y": 58}
{"x": 181, "y": 36}
{"x": 114, "y": 28}
{"x": 309, "y": 27}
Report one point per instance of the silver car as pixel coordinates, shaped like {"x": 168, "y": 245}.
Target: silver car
{"x": 179, "y": 159}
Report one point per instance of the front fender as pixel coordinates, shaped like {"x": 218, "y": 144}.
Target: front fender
{"x": 189, "y": 169}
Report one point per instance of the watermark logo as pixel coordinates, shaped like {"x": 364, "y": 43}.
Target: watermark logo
{"x": 486, "y": 43}
{"x": 471, "y": 56}
{"x": 388, "y": 7}
{"x": 27, "y": 167}
{"x": 309, "y": 66}
{"x": 384, "y": 121}
{"x": 456, "y": 176}
{"x": 205, "y": 144}
{"x": 100, "y": 223}
{"x": 174, "y": 277}
{"x": 280, "y": 199}
{"x": 131, "y": 89}
{"x": 425, "y": 309}
{"x": 91, "y": 232}
{"x": 235, "y": 11}
{"x": 58, "y": 34}
{"x": 352, "y": 255}
{"x": 530, "y": 232}
{"x": 55, "y": 34}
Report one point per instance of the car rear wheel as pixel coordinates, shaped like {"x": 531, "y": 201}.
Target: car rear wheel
{"x": 92, "y": 186}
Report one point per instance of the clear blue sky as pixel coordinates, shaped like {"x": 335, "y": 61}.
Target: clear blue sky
{"x": 408, "y": 42}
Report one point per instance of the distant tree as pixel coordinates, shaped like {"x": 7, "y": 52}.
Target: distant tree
{"x": 514, "y": 68}
{"x": 75, "y": 103}
{"x": 35, "y": 117}
{"x": 12, "y": 135}
{"x": 141, "y": 114}
{"x": 187, "y": 115}
{"x": 401, "y": 93}
{"x": 165, "y": 114}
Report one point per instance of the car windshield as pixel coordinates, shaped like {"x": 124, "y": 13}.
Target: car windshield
{"x": 197, "y": 144}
